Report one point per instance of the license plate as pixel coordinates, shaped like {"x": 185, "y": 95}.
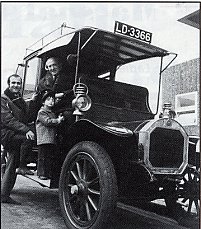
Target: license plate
{"x": 133, "y": 32}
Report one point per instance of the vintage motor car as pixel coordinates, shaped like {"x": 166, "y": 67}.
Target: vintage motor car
{"x": 112, "y": 147}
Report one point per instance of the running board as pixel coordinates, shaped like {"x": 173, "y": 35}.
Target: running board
{"x": 43, "y": 183}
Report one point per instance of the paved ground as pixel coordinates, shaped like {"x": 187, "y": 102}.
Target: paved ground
{"x": 40, "y": 210}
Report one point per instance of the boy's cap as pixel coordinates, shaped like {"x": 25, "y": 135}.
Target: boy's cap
{"x": 48, "y": 94}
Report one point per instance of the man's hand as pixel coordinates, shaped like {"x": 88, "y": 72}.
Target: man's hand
{"x": 34, "y": 96}
{"x": 59, "y": 95}
{"x": 60, "y": 118}
{"x": 30, "y": 135}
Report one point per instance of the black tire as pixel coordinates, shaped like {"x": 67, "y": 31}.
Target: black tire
{"x": 185, "y": 195}
{"x": 87, "y": 187}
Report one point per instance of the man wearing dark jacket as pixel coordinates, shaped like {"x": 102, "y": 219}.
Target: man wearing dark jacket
{"x": 16, "y": 136}
{"x": 55, "y": 80}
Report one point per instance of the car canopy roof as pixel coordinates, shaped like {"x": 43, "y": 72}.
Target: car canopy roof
{"x": 101, "y": 50}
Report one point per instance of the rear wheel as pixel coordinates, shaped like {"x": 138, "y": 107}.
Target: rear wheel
{"x": 87, "y": 187}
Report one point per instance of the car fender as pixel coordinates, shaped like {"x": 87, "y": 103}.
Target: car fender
{"x": 118, "y": 142}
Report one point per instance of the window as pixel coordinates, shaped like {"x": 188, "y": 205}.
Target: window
{"x": 31, "y": 78}
{"x": 186, "y": 108}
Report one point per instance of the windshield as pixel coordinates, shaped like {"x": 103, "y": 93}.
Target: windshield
{"x": 143, "y": 73}
{"x": 30, "y": 80}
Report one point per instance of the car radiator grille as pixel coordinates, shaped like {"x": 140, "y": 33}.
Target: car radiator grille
{"x": 166, "y": 148}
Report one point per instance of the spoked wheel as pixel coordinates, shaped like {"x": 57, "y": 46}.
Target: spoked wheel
{"x": 184, "y": 198}
{"x": 87, "y": 187}
{"x": 188, "y": 190}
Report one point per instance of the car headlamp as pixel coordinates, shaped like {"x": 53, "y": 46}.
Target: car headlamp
{"x": 82, "y": 101}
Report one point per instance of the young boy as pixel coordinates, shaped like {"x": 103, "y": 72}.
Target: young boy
{"x": 46, "y": 124}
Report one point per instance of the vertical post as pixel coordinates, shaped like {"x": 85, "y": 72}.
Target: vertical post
{"x": 17, "y": 69}
{"x": 159, "y": 86}
{"x": 78, "y": 57}
{"x": 160, "y": 77}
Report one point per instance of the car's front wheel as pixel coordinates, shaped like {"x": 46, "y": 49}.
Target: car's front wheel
{"x": 87, "y": 187}
{"x": 186, "y": 193}
{"x": 183, "y": 199}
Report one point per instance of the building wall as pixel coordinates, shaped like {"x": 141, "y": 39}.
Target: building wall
{"x": 179, "y": 79}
